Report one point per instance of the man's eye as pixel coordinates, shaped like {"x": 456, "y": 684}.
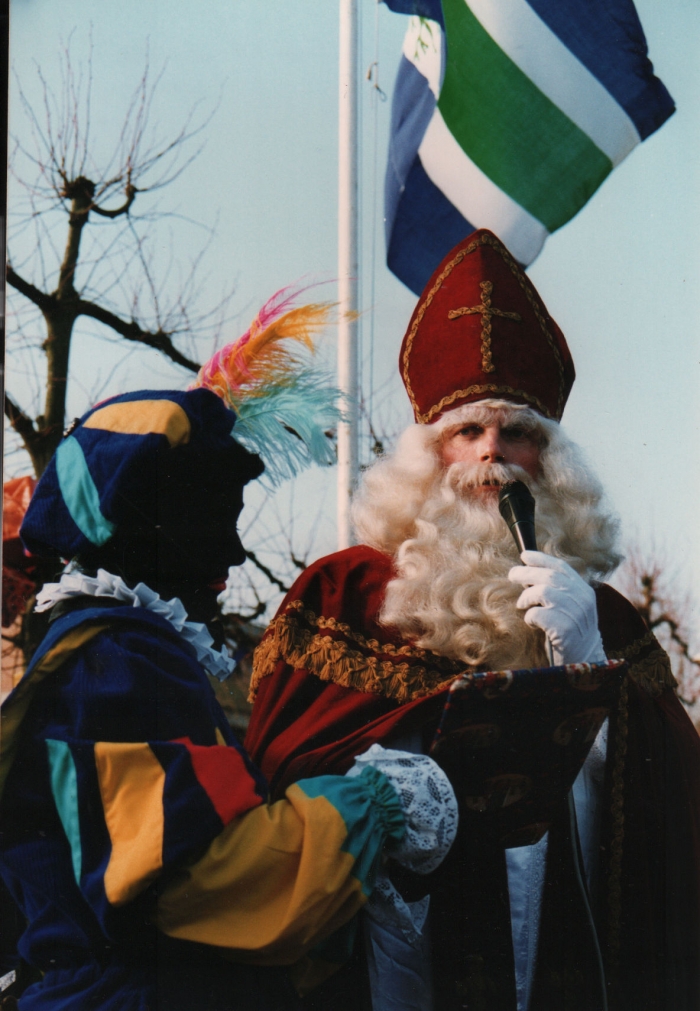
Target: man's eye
{"x": 470, "y": 430}
{"x": 516, "y": 434}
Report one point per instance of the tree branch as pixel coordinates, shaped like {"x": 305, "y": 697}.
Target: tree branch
{"x": 22, "y": 423}
{"x": 132, "y": 332}
{"x": 80, "y": 192}
{"x": 676, "y": 635}
{"x": 238, "y": 619}
{"x": 267, "y": 572}
{"x": 39, "y": 298}
{"x": 300, "y": 563}
{"x": 131, "y": 192}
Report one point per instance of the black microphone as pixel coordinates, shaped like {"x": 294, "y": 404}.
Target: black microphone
{"x": 517, "y": 507}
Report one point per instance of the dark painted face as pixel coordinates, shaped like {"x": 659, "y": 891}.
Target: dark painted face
{"x": 196, "y": 532}
{"x": 180, "y": 537}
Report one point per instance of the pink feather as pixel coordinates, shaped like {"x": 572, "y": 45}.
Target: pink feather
{"x": 248, "y": 365}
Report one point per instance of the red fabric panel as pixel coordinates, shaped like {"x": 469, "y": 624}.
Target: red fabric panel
{"x": 302, "y": 726}
{"x": 349, "y": 586}
{"x": 311, "y": 728}
{"x": 222, "y": 774}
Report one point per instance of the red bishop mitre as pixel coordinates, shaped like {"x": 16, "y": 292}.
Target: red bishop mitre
{"x": 481, "y": 330}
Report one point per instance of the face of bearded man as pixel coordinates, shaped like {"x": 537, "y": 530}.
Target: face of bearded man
{"x": 452, "y": 550}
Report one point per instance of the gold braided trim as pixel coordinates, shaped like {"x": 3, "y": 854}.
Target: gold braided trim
{"x": 636, "y": 647}
{"x": 335, "y": 659}
{"x": 385, "y": 648}
{"x": 652, "y": 672}
{"x": 487, "y": 388}
{"x": 483, "y": 240}
{"x": 487, "y": 311}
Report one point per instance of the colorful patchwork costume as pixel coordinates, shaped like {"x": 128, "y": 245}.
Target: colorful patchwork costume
{"x": 129, "y": 803}
{"x": 137, "y": 837}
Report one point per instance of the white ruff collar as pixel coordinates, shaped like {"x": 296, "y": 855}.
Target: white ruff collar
{"x": 77, "y": 584}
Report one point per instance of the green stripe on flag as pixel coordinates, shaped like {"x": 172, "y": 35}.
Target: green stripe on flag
{"x": 513, "y": 132}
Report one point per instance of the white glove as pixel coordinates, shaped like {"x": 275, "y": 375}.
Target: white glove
{"x": 562, "y": 604}
{"x": 428, "y": 803}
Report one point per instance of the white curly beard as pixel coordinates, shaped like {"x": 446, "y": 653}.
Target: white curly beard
{"x": 453, "y": 594}
{"x": 453, "y": 551}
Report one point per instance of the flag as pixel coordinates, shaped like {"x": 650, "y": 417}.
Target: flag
{"x": 508, "y": 115}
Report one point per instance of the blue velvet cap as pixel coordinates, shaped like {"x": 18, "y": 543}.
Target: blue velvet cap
{"x": 105, "y": 466}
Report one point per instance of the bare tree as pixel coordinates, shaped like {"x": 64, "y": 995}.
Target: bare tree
{"x": 86, "y": 219}
{"x": 656, "y": 590}
{"x": 84, "y": 227}
{"x": 87, "y": 214}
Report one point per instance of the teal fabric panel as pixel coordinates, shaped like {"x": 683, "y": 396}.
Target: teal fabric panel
{"x": 80, "y": 493}
{"x": 64, "y": 786}
{"x": 372, "y": 812}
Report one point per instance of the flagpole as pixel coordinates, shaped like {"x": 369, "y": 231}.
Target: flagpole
{"x": 347, "y": 265}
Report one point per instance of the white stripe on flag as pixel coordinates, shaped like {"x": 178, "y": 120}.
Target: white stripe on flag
{"x": 540, "y": 54}
{"x": 475, "y": 196}
{"x": 422, "y": 46}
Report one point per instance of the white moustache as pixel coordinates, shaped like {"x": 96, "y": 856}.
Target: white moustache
{"x": 464, "y": 476}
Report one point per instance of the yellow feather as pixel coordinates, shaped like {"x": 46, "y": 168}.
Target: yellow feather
{"x": 264, "y": 359}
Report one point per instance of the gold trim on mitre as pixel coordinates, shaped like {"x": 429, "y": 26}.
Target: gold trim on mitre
{"x": 426, "y": 418}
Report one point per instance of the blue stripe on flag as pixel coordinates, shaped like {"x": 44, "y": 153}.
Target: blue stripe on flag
{"x": 421, "y": 8}
{"x": 413, "y": 105}
{"x": 608, "y": 38}
{"x": 425, "y": 228}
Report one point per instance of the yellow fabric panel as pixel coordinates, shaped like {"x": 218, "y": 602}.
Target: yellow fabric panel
{"x": 53, "y": 659}
{"x": 271, "y": 885}
{"x": 16, "y": 705}
{"x": 220, "y": 739}
{"x": 131, "y": 784}
{"x": 144, "y": 417}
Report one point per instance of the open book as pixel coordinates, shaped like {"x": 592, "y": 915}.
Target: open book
{"x": 513, "y": 742}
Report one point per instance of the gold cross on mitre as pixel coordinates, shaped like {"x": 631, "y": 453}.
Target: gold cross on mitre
{"x": 487, "y": 312}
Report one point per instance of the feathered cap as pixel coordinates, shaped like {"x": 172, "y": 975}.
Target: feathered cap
{"x": 481, "y": 330}
{"x": 109, "y": 467}
{"x": 115, "y": 461}
{"x": 284, "y": 405}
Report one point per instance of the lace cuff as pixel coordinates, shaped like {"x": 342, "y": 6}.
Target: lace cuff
{"x": 427, "y": 800}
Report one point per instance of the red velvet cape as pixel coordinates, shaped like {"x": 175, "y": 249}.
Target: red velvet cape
{"x": 330, "y": 681}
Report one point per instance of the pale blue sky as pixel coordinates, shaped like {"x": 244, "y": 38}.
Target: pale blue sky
{"x": 622, "y": 279}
